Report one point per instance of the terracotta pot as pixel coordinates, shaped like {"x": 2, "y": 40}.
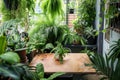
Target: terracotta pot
{"x": 22, "y": 55}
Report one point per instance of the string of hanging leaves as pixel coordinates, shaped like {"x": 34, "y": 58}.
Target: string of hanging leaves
{"x": 52, "y": 8}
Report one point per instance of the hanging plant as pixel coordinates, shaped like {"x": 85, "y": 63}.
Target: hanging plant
{"x": 52, "y": 8}
{"x": 11, "y": 4}
{"x": 12, "y": 9}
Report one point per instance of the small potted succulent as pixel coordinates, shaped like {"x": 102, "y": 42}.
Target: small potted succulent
{"x": 60, "y": 52}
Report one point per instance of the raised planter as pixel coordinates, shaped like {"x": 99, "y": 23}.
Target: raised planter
{"x": 78, "y": 48}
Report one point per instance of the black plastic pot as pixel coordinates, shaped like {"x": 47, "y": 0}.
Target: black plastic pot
{"x": 92, "y": 40}
{"x": 78, "y": 48}
{"x": 11, "y": 4}
{"x": 71, "y": 11}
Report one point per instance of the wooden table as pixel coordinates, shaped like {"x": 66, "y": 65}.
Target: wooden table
{"x": 73, "y": 63}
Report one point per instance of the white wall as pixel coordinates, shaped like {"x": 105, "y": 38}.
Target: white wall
{"x": 114, "y": 36}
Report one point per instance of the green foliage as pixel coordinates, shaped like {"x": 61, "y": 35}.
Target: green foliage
{"x": 23, "y": 6}
{"x": 52, "y": 8}
{"x": 16, "y": 72}
{"x": 8, "y": 25}
{"x": 60, "y": 52}
{"x": 47, "y": 33}
{"x": 24, "y": 72}
{"x": 115, "y": 50}
{"x": 40, "y": 72}
{"x": 55, "y": 75}
{"x": 86, "y": 12}
{"x": 89, "y": 31}
{"x": 108, "y": 66}
{"x": 10, "y": 57}
{"x": 13, "y": 37}
{"x": 2, "y": 44}
{"x": 71, "y": 5}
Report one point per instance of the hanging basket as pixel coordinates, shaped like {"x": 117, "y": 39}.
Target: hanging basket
{"x": 11, "y": 4}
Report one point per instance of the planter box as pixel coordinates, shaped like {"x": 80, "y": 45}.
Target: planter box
{"x": 78, "y": 48}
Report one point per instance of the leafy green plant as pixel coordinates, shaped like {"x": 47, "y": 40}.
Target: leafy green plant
{"x": 115, "y": 50}
{"x": 60, "y": 52}
{"x": 16, "y": 71}
{"x": 2, "y": 44}
{"x": 90, "y": 32}
{"x": 108, "y": 66}
{"x": 40, "y": 73}
{"x": 10, "y": 57}
{"x": 86, "y": 12}
{"x": 12, "y": 8}
{"x": 52, "y": 8}
{"x": 71, "y": 4}
{"x": 78, "y": 26}
{"x": 37, "y": 42}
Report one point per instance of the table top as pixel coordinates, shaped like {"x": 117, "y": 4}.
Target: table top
{"x": 73, "y": 63}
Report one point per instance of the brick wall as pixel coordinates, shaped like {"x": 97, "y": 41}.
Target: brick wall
{"x": 71, "y": 17}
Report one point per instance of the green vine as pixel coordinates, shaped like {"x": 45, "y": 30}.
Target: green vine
{"x": 23, "y": 7}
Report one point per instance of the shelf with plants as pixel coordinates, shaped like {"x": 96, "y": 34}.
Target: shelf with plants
{"x": 114, "y": 14}
{"x": 84, "y": 24}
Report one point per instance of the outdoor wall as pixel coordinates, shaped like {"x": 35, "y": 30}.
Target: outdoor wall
{"x": 71, "y": 17}
{"x": 114, "y": 36}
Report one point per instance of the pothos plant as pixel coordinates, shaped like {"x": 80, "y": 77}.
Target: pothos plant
{"x": 60, "y": 52}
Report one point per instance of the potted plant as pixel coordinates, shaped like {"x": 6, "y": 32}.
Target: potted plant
{"x": 78, "y": 26}
{"x": 106, "y": 66}
{"x": 90, "y": 35}
{"x": 17, "y": 9}
{"x": 60, "y": 52}
{"x": 20, "y": 48}
{"x": 54, "y": 10}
